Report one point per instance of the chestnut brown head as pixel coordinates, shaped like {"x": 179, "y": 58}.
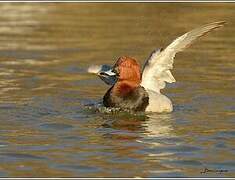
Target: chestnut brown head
{"x": 127, "y": 69}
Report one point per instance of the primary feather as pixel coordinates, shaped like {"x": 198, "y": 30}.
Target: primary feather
{"x": 156, "y": 71}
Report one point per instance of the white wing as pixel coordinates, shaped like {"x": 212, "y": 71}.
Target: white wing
{"x": 157, "y": 68}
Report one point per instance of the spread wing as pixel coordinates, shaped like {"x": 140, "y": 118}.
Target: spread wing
{"x": 156, "y": 70}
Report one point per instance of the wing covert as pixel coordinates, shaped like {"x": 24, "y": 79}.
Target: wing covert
{"x": 156, "y": 71}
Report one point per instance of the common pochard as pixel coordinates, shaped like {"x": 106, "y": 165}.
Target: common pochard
{"x": 134, "y": 90}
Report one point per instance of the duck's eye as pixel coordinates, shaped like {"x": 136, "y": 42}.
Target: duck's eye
{"x": 116, "y": 71}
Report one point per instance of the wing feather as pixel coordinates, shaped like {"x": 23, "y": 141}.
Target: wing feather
{"x": 156, "y": 70}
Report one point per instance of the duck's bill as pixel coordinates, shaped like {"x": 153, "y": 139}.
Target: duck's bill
{"x": 104, "y": 72}
{"x": 94, "y": 69}
{"x": 97, "y": 69}
{"x": 107, "y": 73}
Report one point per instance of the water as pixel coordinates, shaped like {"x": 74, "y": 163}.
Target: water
{"x": 47, "y": 131}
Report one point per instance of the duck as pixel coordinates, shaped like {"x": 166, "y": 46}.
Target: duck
{"x": 136, "y": 89}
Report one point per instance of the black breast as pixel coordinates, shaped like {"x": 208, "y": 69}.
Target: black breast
{"x": 135, "y": 100}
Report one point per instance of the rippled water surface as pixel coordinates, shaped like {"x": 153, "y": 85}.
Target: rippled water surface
{"x": 46, "y": 130}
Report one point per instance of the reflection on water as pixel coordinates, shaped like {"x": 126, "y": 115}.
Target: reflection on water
{"x": 160, "y": 125}
{"x": 46, "y": 129}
